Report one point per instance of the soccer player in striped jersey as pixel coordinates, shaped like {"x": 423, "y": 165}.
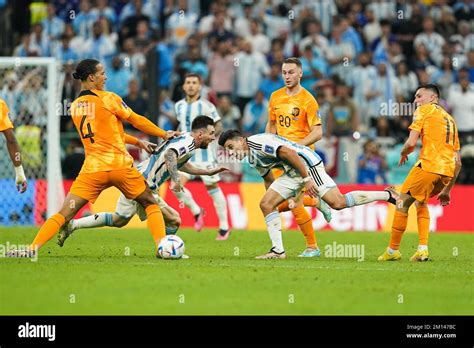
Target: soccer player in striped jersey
{"x": 186, "y": 110}
{"x": 6, "y": 127}
{"x": 303, "y": 169}
{"x": 433, "y": 174}
{"x": 163, "y": 164}
{"x": 293, "y": 114}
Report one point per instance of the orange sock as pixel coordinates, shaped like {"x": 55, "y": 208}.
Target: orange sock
{"x": 399, "y": 226}
{"x": 307, "y": 201}
{"x": 155, "y": 222}
{"x": 310, "y": 201}
{"x": 48, "y": 230}
{"x": 423, "y": 219}
{"x": 303, "y": 219}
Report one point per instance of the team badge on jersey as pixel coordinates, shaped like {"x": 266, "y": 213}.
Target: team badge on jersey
{"x": 295, "y": 112}
{"x": 182, "y": 151}
{"x": 269, "y": 149}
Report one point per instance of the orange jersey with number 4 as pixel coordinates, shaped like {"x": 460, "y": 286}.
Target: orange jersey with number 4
{"x": 98, "y": 117}
{"x": 294, "y": 115}
{"x": 439, "y": 138}
{"x": 5, "y": 122}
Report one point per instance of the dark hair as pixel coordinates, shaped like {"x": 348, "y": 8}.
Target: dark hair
{"x": 293, "y": 60}
{"x": 202, "y": 121}
{"x": 85, "y": 68}
{"x": 229, "y": 134}
{"x": 431, "y": 87}
{"x": 192, "y": 75}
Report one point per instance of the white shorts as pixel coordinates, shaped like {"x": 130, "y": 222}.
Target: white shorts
{"x": 287, "y": 186}
{"x": 206, "y": 179}
{"x": 126, "y": 208}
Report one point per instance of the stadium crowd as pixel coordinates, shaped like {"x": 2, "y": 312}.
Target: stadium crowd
{"x": 361, "y": 60}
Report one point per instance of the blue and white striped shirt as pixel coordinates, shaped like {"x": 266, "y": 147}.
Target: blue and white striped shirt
{"x": 186, "y": 113}
{"x": 154, "y": 168}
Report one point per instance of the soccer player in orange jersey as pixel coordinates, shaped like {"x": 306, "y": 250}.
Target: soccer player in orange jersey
{"x": 6, "y": 127}
{"x": 293, "y": 114}
{"x": 98, "y": 117}
{"x": 433, "y": 174}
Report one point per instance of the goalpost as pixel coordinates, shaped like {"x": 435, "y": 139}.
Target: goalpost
{"x": 31, "y": 87}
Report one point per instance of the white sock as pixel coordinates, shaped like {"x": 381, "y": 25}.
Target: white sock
{"x": 96, "y": 220}
{"x": 221, "y": 207}
{"x": 390, "y": 250}
{"x": 186, "y": 197}
{"x": 273, "y": 222}
{"x": 422, "y": 247}
{"x": 363, "y": 197}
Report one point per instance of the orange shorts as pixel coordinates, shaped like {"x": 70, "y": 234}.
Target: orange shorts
{"x": 128, "y": 180}
{"x": 422, "y": 185}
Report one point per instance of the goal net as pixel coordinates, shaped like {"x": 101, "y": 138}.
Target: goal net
{"x": 30, "y": 87}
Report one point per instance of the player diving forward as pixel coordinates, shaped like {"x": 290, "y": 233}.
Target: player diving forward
{"x": 163, "y": 164}
{"x": 98, "y": 115}
{"x": 303, "y": 169}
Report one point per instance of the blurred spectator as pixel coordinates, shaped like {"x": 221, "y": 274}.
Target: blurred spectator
{"x": 66, "y": 8}
{"x": 134, "y": 99}
{"x": 251, "y": 68}
{"x": 372, "y": 29}
{"x": 462, "y": 109}
{"x": 463, "y": 39}
{"x": 340, "y": 55}
{"x": 382, "y": 9}
{"x": 206, "y": 24}
{"x": 130, "y": 24}
{"x": 343, "y": 119}
{"x": 53, "y": 25}
{"x": 219, "y": 32}
{"x": 421, "y": 60}
{"x": 276, "y": 22}
{"x": 118, "y": 78}
{"x": 230, "y": 114}
{"x": 324, "y": 12}
{"x": 255, "y": 115}
{"x": 408, "y": 81}
{"x": 84, "y": 21}
{"x": 76, "y": 41}
{"x": 222, "y": 70}
{"x": 63, "y": 51}
{"x": 70, "y": 91}
{"x": 133, "y": 59}
{"x": 314, "y": 69}
{"x": 395, "y": 54}
{"x": 11, "y": 93}
{"x": 167, "y": 119}
{"x": 382, "y": 44}
{"x": 273, "y": 82}
{"x": 470, "y": 65}
{"x": 74, "y": 159}
{"x": 349, "y": 34}
{"x": 143, "y": 36}
{"x": 447, "y": 23}
{"x": 39, "y": 41}
{"x": 180, "y": 25}
{"x": 33, "y": 102}
{"x": 406, "y": 29}
{"x": 445, "y": 76}
{"x": 195, "y": 64}
{"x": 437, "y": 8}
{"x": 103, "y": 10}
{"x": 99, "y": 46}
{"x": 260, "y": 43}
{"x": 464, "y": 9}
{"x": 242, "y": 24}
{"x": 431, "y": 40}
{"x": 318, "y": 42}
{"x": 140, "y": 9}
{"x": 372, "y": 165}
{"x": 107, "y": 29}
{"x": 165, "y": 65}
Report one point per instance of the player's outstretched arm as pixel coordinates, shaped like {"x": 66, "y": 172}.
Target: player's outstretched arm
{"x": 409, "y": 146}
{"x": 271, "y": 127}
{"x": 445, "y": 195}
{"x": 146, "y": 126}
{"x": 193, "y": 170}
{"x": 149, "y": 147}
{"x": 291, "y": 157}
{"x": 15, "y": 156}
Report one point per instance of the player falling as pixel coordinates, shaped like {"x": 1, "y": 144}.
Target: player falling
{"x": 6, "y": 127}
{"x": 187, "y": 109}
{"x": 293, "y": 114}
{"x": 433, "y": 174}
{"x": 303, "y": 169}
{"x": 98, "y": 116}
{"x": 163, "y": 164}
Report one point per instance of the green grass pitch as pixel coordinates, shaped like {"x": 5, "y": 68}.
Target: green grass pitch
{"x": 113, "y": 272}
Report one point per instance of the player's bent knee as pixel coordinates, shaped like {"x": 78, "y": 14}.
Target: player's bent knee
{"x": 121, "y": 221}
